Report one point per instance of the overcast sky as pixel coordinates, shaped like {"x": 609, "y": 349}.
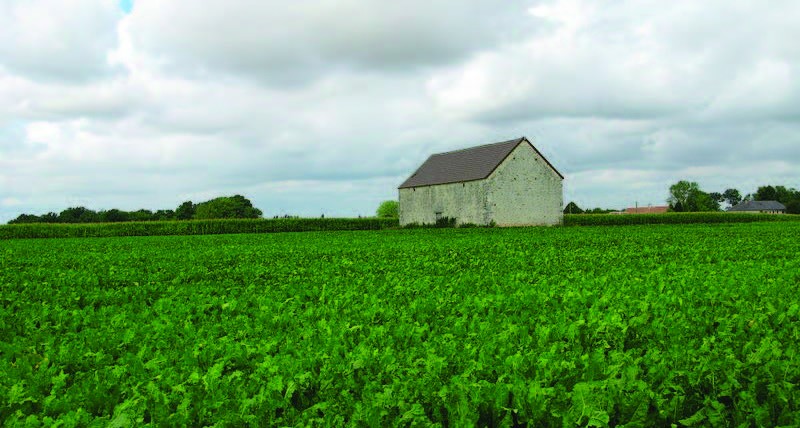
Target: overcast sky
{"x": 326, "y": 106}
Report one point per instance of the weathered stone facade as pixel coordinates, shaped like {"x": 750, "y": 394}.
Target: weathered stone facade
{"x": 522, "y": 190}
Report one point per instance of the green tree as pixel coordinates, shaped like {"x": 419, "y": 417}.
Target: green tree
{"x": 572, "y": 208}
{"x": 185, "y": 211}
{"x": 732, "y": 196}
{"x": 701, "y": 201}
{"x": 390, "y": 209}
{"x": 164, "y": 215}
{"x": 598, "y": 210}
{"x": 78, "y": 215}
{"x": 681, "y": 192}
{"x": 793, "y": 207}
{"x": 236, "y": 206}
{"x": 141, "y": 215}
{"x": 113, "y": 215}
{"x": 766, "y": 193}
{"x": 687, "y": 196}
{"x": 781, "y": 194}
{"x": 26, "y": 218}
{"x": 50, "y": 217}
{"x": 785, "y": 195}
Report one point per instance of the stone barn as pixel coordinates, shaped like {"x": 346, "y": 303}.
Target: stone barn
{"x": 509, "y": 183}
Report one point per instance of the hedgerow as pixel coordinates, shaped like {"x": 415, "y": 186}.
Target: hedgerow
{"x": 671, "y": 218}
{"x": 693, "y": 325}
{"x": 228, "y": 226}
{"x": 193, "y": 227}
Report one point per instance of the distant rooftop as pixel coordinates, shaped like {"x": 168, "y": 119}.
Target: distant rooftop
{"x": 660, "y": 209}
{"x": 758, "y": 206}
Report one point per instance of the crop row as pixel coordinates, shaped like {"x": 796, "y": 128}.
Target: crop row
{"x": 217, "y": 227}
{"x": 693, "y": 325}
{"x": 672, "y": 218}
{"x": 193, "y": 227}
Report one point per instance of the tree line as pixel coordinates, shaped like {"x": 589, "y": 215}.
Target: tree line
{"x": 573, "y": 208}
{"x": 686, "y": 196}
{"x": 236, "y": 206}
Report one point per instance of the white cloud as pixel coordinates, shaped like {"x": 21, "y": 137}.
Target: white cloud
{"x": 10, "y": 202}
{"x": 64, "y": 40}
{"x": 325, "y": 106}
{"x": 289, "y": 43}
{"x": 630, "y": 60}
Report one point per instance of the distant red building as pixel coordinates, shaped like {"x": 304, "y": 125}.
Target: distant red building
{"x": 661, "y": 209}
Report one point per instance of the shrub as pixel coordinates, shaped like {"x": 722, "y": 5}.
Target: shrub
{"x": 389, "y": 209}
{"x": 446, "y": 222}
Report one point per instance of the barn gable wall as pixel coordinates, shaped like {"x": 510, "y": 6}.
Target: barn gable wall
{"x": 524, "y": 190}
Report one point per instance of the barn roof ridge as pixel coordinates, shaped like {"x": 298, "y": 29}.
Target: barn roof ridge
{"x": 467, "y": 164}
{"x": 518, "y": 140}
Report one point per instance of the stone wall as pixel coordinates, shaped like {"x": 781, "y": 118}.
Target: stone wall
{"x": 524, "y": 190}
{"x": 466, "y": 202}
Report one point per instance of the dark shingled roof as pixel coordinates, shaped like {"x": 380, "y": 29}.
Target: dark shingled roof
{"x": 474, "y": 163}
{"x": 758, "y": 206}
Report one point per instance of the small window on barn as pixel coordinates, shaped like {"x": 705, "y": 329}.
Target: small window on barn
{"x": 438, "y": 215}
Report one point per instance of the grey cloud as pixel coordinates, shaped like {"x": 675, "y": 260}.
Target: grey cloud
{"x": 294, "y": 42}
{"x": 625, "y": 60}
{"x": 57, "y": 41}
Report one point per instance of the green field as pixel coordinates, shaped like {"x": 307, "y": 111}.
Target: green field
{"x": 635, "y": 325}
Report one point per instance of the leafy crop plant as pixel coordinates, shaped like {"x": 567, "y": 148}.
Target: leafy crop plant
{"x": 657, "y": 325}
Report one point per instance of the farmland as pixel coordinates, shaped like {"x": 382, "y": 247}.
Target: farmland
{"x": 639, "y": 325}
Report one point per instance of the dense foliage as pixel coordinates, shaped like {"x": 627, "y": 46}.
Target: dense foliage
{"x": 194, "y": 227}
{"x": 686, "y": 196}
{"x": 573, "y": 208}
{"x": 236, "y": 206}
{"x": 781, "y": 194}
{"x": 226, "y": 207}
{"x": 643, "y": 325}
{"x": 388, "y": 209}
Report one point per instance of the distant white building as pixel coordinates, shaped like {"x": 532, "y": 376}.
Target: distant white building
{"x": 509, "y": 183}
